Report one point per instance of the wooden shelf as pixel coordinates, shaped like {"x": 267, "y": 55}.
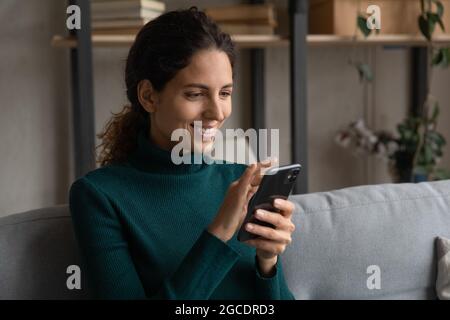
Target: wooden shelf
{"x": 263, "y": 41}
{"x": 243, "y": 41}
{"x": 395, "y": 40}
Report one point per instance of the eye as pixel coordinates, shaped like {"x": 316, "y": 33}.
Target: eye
{"x": 193, "y": 95}
{"x": 225, "y": 94}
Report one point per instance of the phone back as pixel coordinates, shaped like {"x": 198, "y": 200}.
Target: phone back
{"x": 277, "y": 185}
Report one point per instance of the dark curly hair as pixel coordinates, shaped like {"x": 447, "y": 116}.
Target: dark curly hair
{"x": 162, "y": 47}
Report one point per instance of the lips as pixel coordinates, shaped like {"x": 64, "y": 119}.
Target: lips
{"x": 206, "y": 132}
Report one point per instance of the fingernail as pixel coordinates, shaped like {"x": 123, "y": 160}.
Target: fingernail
{"x": 249, "y": 226}
{"x": 260, "y": 213}
{"x": 277, "y": 202}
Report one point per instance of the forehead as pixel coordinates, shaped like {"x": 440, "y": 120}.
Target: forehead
{"x": 210, "y": 67}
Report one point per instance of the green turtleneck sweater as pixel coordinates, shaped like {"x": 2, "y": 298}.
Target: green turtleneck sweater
{"x": 141, "y": 229}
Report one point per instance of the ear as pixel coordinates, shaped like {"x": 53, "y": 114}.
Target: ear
{"x": 147, "y": 95}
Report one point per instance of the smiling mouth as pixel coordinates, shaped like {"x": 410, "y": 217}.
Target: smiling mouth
{"x": 207, "y": 133}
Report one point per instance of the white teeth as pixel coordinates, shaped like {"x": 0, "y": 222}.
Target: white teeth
{"x": 206, "y": 133}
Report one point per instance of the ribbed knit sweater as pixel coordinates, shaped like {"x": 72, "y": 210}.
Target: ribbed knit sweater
{"x": 141, "y": 229}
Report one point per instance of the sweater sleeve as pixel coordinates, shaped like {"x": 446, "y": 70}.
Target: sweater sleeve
{"x": 110, "y": 270}
{"x": 272, "y": 288}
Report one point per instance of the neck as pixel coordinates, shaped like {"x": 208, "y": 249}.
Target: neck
{"x": 149, "y": 156}
{"x": 158, "y": 138}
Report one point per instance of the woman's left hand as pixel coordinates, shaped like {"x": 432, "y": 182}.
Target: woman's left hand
{"x": 273, "y": 241}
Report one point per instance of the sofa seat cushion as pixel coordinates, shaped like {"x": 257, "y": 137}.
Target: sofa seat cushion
{"x": 368, "y": 242}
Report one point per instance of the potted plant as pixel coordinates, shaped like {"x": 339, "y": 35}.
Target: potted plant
{"x": 430, "y": 143}
{"x": 397, "y": 150}
{"x": 414, "y": 153}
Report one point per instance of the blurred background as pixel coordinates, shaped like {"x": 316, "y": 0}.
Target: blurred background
{"x": 366, "y": 94}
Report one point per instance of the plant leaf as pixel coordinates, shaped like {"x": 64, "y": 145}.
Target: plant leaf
{"x": 420, "y": 170}
{"x": 365, "y": 72}
{"x": 362, "y": 25}
{"x": 435, "y": 112}
{"x": 441, "y": 24}
{"x": 441, "y": 174}
{"x": 442, "y": 58}
{"x": 428, "y": 154}
{"x": 446, "y": 57}
{"x": 436, "y": 138}
{"x": 432, "y": 18}
{"x": 440, "y": 8}
{"x": 438, "y": 58}
{"x": 424, "y": 27}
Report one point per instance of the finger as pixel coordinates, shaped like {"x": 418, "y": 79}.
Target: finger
{"x": 268, "y": 162}
{"x": 269, "y": 233}
{"x": 278, "y": 220}
{"x": 262, "y": 167}
{"x": 247, "y": 176}
{"x": 272, "y": 163}
{"x": 264, "y": 164}
{"x": 256, "y": 181}
{"x": 286, "y": 207}
{"x": 266, "y": 245}
{"x": 251, "y": 192}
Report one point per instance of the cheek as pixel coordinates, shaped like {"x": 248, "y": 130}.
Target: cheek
{"x": 187, "y": 112}
{"x": 227, "y": 109}
{"x": 179, "y": 111}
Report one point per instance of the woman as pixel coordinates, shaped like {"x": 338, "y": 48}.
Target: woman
{"x": 149, "y": 228}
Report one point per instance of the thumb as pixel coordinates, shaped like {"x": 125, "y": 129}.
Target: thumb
{"x": 247, "y": 176}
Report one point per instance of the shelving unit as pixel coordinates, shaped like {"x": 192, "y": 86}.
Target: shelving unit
{"x": 80, "y": 42}
{"x": 242, "y": 41}
{"x": 266, "y": 41}
{"x": 394, "y": 40}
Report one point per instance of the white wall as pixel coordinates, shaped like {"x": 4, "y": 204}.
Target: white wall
{"x": 34, "y": 118}
{"x": 35, "y": 127}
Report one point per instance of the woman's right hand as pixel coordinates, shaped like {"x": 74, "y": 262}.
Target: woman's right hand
{"x": 234, "y": 207}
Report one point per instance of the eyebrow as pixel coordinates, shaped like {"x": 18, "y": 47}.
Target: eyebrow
{"x": 202, "y": 86}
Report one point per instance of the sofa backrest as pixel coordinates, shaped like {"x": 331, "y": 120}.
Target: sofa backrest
{"x": 368, "y": 242}
{"x": 345, "y": 241}
{"x": 37, "y": 249}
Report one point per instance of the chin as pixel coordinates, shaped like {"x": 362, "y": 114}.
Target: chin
{"x": 203, "y": 147}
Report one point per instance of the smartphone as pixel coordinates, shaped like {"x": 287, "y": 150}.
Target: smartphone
{"x": 276, "y": 183}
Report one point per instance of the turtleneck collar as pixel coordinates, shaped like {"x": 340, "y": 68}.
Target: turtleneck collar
{"x": 151, "y": 158}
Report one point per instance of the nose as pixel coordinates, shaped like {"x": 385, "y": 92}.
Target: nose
{"x": 215, "y": 110}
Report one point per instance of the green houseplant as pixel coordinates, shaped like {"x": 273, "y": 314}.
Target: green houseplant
{"x": 414, "y": 153}
{"x": 430, "y": 141}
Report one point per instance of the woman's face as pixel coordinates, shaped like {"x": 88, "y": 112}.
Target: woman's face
{"x": 199, "y": 92}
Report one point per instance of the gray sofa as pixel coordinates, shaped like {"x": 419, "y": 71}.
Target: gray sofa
{"x": 365, "y": 242}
